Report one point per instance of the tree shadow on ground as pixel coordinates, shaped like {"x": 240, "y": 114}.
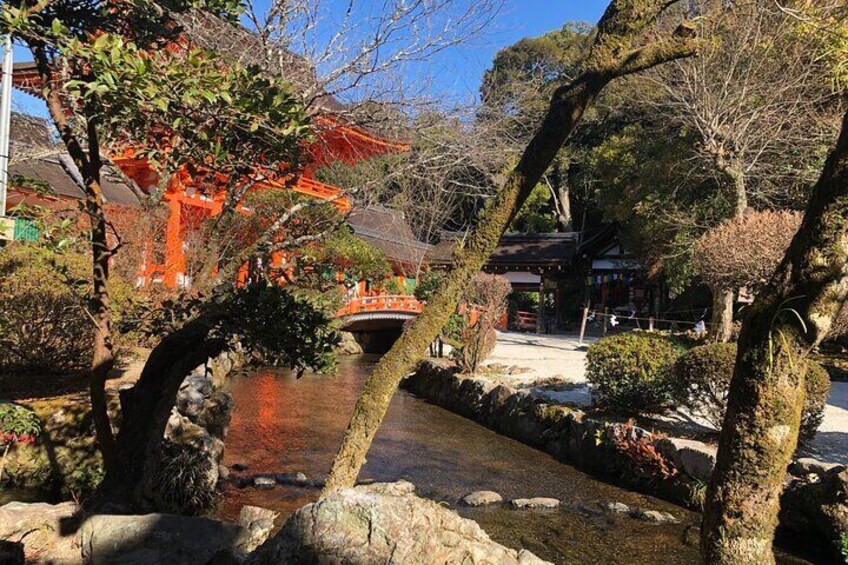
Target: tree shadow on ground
{"x": 25, "y": 387}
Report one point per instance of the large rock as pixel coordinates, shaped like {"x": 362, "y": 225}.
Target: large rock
{"x": 820, "y": 506}
{"x": 194, "y": 438}
{"x": 158, "y": 538}
{"x": 382, "y": 523}
{"x": 47, "y": 531}
{"x": 348, "y": 345}
{"x": 694, "y": 458}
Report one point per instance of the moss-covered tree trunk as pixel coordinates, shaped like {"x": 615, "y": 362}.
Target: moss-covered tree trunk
{"x": 788, "y": 318}
{"x": 619, "y": 49}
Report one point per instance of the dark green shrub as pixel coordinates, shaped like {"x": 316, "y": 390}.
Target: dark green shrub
{"x": 183, "y": 480}
{"x": 703, "y": 377}
{"x": 632, "y": 372}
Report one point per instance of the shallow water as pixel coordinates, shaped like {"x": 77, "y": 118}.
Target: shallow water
{"x": 281, "y": 424}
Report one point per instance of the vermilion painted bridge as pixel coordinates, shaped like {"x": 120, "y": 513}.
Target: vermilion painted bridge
{"x": 374, "y": 313}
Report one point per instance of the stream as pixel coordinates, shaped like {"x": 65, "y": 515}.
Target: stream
{"x": 281, "y": 424}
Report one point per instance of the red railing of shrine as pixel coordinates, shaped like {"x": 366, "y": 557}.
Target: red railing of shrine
{"x": 390, "y": 303}
{"x": 526, "y": 321}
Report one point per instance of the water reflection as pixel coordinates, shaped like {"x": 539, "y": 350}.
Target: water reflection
{"x": 281, "y": 424}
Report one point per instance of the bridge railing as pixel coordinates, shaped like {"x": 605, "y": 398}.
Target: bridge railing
{"x": 386, "y": 303}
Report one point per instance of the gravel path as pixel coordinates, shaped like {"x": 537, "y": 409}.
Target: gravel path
{"x": 561, "y": 358}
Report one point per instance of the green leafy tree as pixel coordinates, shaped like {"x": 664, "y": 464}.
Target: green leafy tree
{"x": 110, "y": 79}
{"x": 343, "y": 252}
{"x": 537, "y": 215}
{"x": 515, "y": 95}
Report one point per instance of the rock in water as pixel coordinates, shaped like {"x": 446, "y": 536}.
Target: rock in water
{"x": 482, "y": 498}
{"x": 297, "y": 479}
{"x": 383, "y": 523}
{"x": 538, "y": 502}
{"x": 348, "y": 345}
{"x": 264, "y": 482}
{"x": 616, "y": 508}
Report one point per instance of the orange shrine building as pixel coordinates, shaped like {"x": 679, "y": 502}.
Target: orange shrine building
{"x": 188, "y": 201}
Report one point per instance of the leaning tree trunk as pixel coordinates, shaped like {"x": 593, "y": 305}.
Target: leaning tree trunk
{"x": 147, "y": 406}
{"x": 788, "y": 318}
{"x": 614, "y": 54}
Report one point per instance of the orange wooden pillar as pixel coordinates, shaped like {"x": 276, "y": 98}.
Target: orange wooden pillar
{"x": 174, "y": 253}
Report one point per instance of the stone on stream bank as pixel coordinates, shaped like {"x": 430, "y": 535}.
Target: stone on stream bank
{"x": 383, "y": 523}
{"x": 61, "y": 535}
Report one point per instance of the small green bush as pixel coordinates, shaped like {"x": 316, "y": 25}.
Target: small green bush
{"x": 703, "y": 378}
{"x": 632, "y": 372}
{"x": 17, "y": 421}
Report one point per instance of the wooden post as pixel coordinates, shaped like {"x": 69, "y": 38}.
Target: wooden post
{"x": 583, "y": 325}
{"x": 540, "y": 311}
{"x": 606, "y": 320}
{"x": 651, "y": 324}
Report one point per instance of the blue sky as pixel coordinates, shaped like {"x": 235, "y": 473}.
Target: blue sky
{"x": 460, "y": 71}
{"x": 456, "y": 73}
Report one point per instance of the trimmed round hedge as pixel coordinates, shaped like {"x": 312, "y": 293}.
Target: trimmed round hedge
{"x": 632, "y": 373}
{"x": 703, "y": 378}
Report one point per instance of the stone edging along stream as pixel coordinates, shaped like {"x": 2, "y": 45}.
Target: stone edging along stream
{"x": 815, "y": 501}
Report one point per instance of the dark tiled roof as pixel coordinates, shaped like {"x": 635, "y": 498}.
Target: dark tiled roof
{"x": 388, "y": 222}
{"x": 535, "y": 249}
{"x": 387, "y": 230}
{"x": 62, "y": 179}
{"x": 516, "y": 250}
{"x": 49, "y": 171}
{"x": 43, "y": 161}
